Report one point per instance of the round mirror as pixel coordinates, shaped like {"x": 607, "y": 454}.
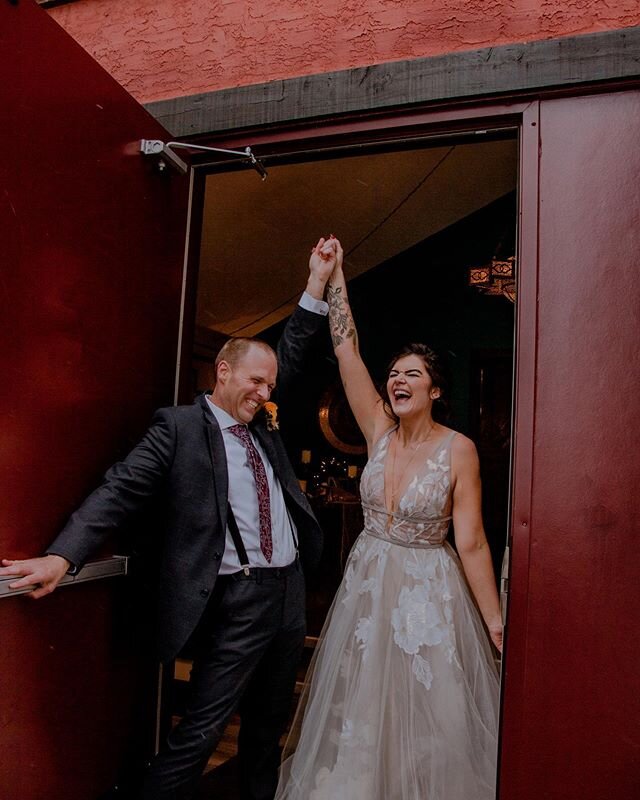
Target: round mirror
{"x": 338, "y": 424}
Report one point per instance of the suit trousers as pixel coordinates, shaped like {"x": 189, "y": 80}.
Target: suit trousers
{"x": 249, "y": 645}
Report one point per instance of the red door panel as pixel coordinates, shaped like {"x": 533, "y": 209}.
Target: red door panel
{"x": 571, "y": 720}
{"x": 91, "y": 252}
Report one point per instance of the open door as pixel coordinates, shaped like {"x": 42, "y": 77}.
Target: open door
{"x": 570, "y": 699}
{"x": 92, "y": 250}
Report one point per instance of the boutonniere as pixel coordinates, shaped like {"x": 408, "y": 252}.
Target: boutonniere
{"x": 271, "y": 416}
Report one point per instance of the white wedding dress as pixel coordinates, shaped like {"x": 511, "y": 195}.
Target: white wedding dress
{"x": 403, "y": 698}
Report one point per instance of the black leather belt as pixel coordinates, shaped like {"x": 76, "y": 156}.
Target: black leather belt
{"x": 260, "y": 574}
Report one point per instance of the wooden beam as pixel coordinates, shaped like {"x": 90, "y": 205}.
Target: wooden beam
{"x": 493, "y": 71}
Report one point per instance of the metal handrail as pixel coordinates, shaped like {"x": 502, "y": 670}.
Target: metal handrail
{"x": 92, "y": 571}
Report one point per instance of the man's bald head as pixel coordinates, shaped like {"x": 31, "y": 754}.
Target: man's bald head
{"x": 235, "y": 349}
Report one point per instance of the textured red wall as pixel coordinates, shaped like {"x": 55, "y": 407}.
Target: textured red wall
{"x": 166, "y": 48}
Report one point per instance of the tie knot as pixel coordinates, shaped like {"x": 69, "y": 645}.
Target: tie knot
{"x": 242, "y": 432}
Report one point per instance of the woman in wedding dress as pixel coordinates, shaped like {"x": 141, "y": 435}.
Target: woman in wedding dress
{"x": 403, "y": 699}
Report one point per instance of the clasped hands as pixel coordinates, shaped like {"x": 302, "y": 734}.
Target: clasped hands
{"x": 326, "y": 256}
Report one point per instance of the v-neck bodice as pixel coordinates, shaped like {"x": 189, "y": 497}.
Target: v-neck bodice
{"x": 424, "y": 509}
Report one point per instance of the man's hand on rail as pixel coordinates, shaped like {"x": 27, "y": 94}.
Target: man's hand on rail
{"x": 44, "y": 573}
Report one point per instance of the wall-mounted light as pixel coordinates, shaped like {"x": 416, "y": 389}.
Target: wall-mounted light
{"x": 496, "y": 278}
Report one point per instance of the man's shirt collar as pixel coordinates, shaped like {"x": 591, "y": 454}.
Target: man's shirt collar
{"x": 224, "y": 419}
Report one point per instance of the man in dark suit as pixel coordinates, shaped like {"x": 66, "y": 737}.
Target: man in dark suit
{"x": 237, "y": 529}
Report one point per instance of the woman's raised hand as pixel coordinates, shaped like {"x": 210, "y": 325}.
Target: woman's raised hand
{"x": 339, "y": 252}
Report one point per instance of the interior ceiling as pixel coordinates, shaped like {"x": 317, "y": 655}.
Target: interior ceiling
{"x": 257, "y": 235}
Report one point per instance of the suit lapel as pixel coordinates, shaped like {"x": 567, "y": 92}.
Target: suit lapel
{"x": 218, "y": 457}
{"x": 268, "y": 442}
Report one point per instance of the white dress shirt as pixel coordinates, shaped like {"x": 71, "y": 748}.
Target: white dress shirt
{"x": 243, "y": 495}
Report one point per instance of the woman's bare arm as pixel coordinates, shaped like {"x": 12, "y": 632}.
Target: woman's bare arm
{"x": 471, "y": 541}
{"x": 364, "y": 400}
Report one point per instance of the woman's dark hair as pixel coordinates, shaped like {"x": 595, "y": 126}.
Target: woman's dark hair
{"x": 436, "y": 372}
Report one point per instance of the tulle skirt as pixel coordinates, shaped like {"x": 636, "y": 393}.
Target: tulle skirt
{"x": 402, "y": 696}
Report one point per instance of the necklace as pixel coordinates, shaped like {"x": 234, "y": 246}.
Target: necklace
{"x": 395, "y": 484}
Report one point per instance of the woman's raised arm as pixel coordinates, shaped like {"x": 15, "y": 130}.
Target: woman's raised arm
{"x": 363, "y": 398}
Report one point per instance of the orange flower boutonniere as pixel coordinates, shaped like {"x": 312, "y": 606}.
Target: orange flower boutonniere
{"x": 271, "y": 415}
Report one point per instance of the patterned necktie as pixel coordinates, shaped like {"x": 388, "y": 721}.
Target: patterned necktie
{"x": 262, "y": 488}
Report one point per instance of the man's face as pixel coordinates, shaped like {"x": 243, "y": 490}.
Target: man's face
{"x": 242, "y": 389}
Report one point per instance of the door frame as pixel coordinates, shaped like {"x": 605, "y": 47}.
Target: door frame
{"x": 284, "y": 144}
{"x": 489, "y": 86}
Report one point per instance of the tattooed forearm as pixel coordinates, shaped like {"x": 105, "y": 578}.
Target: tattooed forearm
{"x": 341, "y": 322}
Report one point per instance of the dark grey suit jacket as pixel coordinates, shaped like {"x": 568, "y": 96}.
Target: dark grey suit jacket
{"x": 180, "y": 464}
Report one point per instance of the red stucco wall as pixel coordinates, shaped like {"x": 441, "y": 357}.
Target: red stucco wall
{"x": 165, "y": 48}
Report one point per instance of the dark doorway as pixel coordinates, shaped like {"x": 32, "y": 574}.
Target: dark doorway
{"x": 413, "y": 223}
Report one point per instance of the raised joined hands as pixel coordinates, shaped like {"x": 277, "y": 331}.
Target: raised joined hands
{"x": 325, "y": 256}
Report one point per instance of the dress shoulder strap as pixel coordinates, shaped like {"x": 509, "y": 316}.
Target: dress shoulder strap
{"x": 444, "y": 446}
{"x": 382, "y": 439}
{"x": 450, "y": 438}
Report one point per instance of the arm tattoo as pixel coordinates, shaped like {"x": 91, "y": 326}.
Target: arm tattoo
{"x": 341, "y": 322}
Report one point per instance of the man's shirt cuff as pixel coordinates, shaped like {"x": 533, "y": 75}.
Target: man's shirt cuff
{"x": 311, "y": 304}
